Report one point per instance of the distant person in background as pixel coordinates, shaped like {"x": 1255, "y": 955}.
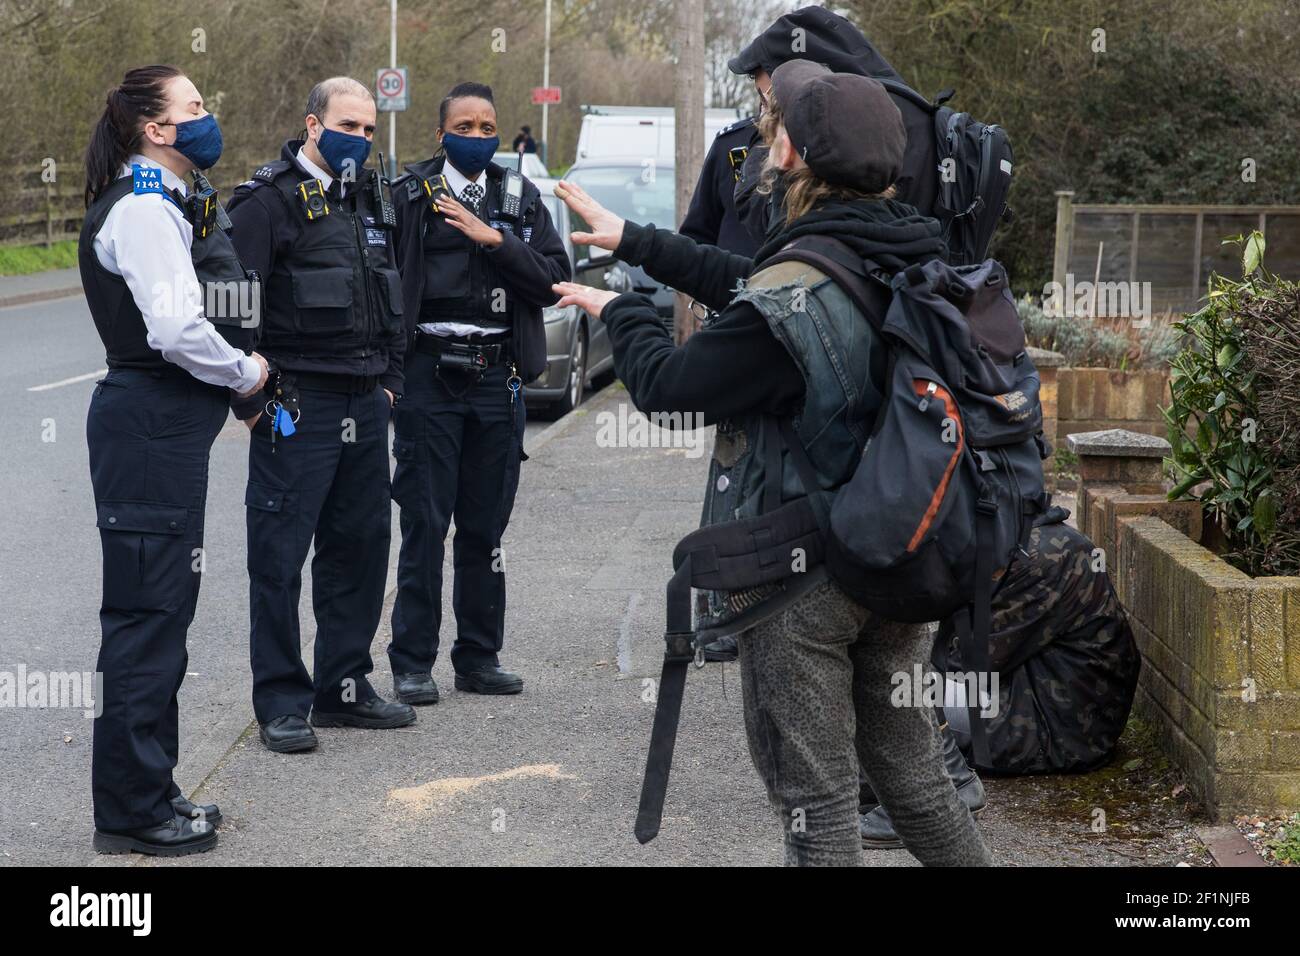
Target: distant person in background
{"x": 524, "y": 142}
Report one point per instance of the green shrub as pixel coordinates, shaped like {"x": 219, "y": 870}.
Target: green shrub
{"x": 1231, "y": 420}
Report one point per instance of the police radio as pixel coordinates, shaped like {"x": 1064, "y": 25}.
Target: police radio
{"x": 311, "y": 193}
{"x": 383, "y": 208}
{"x": 512, "y": 194}
{"x": 736, "y": 156}
{"x": 204, "y": 210}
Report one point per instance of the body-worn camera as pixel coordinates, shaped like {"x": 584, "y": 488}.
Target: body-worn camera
{"x": 311, "y": 194}
{"x": 435, "y": 188}
{"x": 203, "y": 209}
{"x": 736, "y": 156}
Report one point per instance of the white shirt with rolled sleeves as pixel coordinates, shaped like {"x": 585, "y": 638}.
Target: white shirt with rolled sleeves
{"x": 146, "y": 240}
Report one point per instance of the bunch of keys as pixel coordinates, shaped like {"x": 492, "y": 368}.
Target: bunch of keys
{"x": 282, "y": 422}
{"x": 514, "y": 383}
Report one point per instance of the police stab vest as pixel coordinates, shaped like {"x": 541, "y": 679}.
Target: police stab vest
{"x": 335, "y": 291}
{"x": 461, "y": 281}
{"x": 230, "y": 296}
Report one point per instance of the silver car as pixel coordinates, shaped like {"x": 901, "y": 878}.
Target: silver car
{"x": 577, "y": 346}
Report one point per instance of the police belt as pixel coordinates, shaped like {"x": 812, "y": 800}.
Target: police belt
{"x": 463, "y": 351}
{"x": 325, "y": 382}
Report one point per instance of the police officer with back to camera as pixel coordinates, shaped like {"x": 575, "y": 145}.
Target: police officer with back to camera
{"x": 711, "y": 218}
{"x": 151, "y": 250}
{"x": 318, "y": 226}
{"x": 479, "y": 255}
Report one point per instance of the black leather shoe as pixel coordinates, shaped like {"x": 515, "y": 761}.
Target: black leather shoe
{"x": 287, "y": 735}
{"x": 179, "y": 836}
{"x": 723, "y": 650}
{"x": 415, "y": 689}
{"x": 209, "y": 813}
{"x": 877, "y": 829}
{"x": 490, "y": 680}
{"x": 375, "y": 714}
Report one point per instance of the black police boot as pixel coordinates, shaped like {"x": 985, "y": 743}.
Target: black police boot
{"x": 287, "y": 735}
{"x": 373, "y": 714}
{"x": 877, "y": 828}
{"x": 723, "y": 650}
{"x": 178, "y": 836}
{"x": 489, "y": 680}
{"x": 415, "y": 689}
{"x": 209, "y": 813}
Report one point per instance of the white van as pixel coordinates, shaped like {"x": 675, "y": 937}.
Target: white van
{"x": 640, "y": 130}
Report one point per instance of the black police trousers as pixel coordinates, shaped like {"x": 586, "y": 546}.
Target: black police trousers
{"x": 149, "y": 434}
{"x": 327, "y": 483}
{"x": 458, "y": 446}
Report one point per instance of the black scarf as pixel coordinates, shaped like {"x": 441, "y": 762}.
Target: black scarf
{"x": 890, "y": 233}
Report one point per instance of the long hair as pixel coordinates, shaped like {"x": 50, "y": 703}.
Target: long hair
{"x": 803, "y": 189}
{"x": 141, "y": 96}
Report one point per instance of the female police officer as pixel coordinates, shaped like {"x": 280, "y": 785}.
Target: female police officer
{"x": 816, "y": 667}
{"x": 478, "y": 255}
{"x": 151, "y": 423}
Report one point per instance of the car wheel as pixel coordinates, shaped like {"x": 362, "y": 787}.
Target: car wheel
{"x": 577, "y": 383}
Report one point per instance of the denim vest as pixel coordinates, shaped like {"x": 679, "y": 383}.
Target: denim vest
{"x": 841, "y": 358}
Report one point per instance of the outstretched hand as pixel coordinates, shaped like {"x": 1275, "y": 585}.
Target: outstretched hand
{"x": 607, "y": 228}
{"x": 592, "y": 301}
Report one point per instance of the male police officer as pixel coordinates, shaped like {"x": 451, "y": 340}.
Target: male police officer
{"x": 317, "y": 226}
{"x": 478, "y": 257}
{"x": 711, "y": 218}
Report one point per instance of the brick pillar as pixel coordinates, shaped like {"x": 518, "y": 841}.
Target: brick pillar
{"x": 1121, "y": 474}
{"x": 1047, "y": 363}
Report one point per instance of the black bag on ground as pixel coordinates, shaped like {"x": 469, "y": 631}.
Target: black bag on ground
{"x": 1064, "y": 654}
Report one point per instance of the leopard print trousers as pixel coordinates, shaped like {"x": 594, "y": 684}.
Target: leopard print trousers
{"x": 816, "y": 681}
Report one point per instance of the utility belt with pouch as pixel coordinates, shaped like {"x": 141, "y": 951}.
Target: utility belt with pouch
{"x": 462, "y": 356}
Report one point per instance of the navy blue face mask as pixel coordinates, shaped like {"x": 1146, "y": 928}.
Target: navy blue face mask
{"x": 470, "y": 154}
{"x": 199, "y": 141}
{"x": 344, "y": 152}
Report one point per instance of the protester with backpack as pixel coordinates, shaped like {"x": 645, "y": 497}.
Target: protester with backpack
{"x": 792, "y": 372}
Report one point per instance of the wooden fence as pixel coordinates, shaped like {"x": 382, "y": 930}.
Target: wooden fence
{"x": 1172, "y": 247}
{"x": 40, "y": 212}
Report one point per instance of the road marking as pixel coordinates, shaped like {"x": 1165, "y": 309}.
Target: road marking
{"x": 427, "y": 796}
{"x": 68, "y": 381}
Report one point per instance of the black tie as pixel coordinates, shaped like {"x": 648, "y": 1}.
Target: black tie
{"x": 472, "y": 197}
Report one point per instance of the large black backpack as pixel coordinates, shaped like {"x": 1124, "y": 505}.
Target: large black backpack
{"x": 951, "y": 480}
{"x": 974, "y": 163}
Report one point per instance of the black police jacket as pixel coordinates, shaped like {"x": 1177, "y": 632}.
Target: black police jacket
{"x": 711, "y": 218}
{"x": 331, "y": 292}
{"x": 448, "y": 277}
{"x": 229, "y": 295}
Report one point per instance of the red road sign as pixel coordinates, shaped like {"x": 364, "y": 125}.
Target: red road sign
{"x": 546, "y": 94}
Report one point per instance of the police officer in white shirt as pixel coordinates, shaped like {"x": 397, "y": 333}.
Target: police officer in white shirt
{"x": 150, "y": 426}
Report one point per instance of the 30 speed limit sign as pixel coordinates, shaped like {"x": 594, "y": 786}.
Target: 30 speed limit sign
{"x": 392, "y": 94}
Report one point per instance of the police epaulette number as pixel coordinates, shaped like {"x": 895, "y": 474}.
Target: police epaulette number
{"x": 146, "y": 179}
